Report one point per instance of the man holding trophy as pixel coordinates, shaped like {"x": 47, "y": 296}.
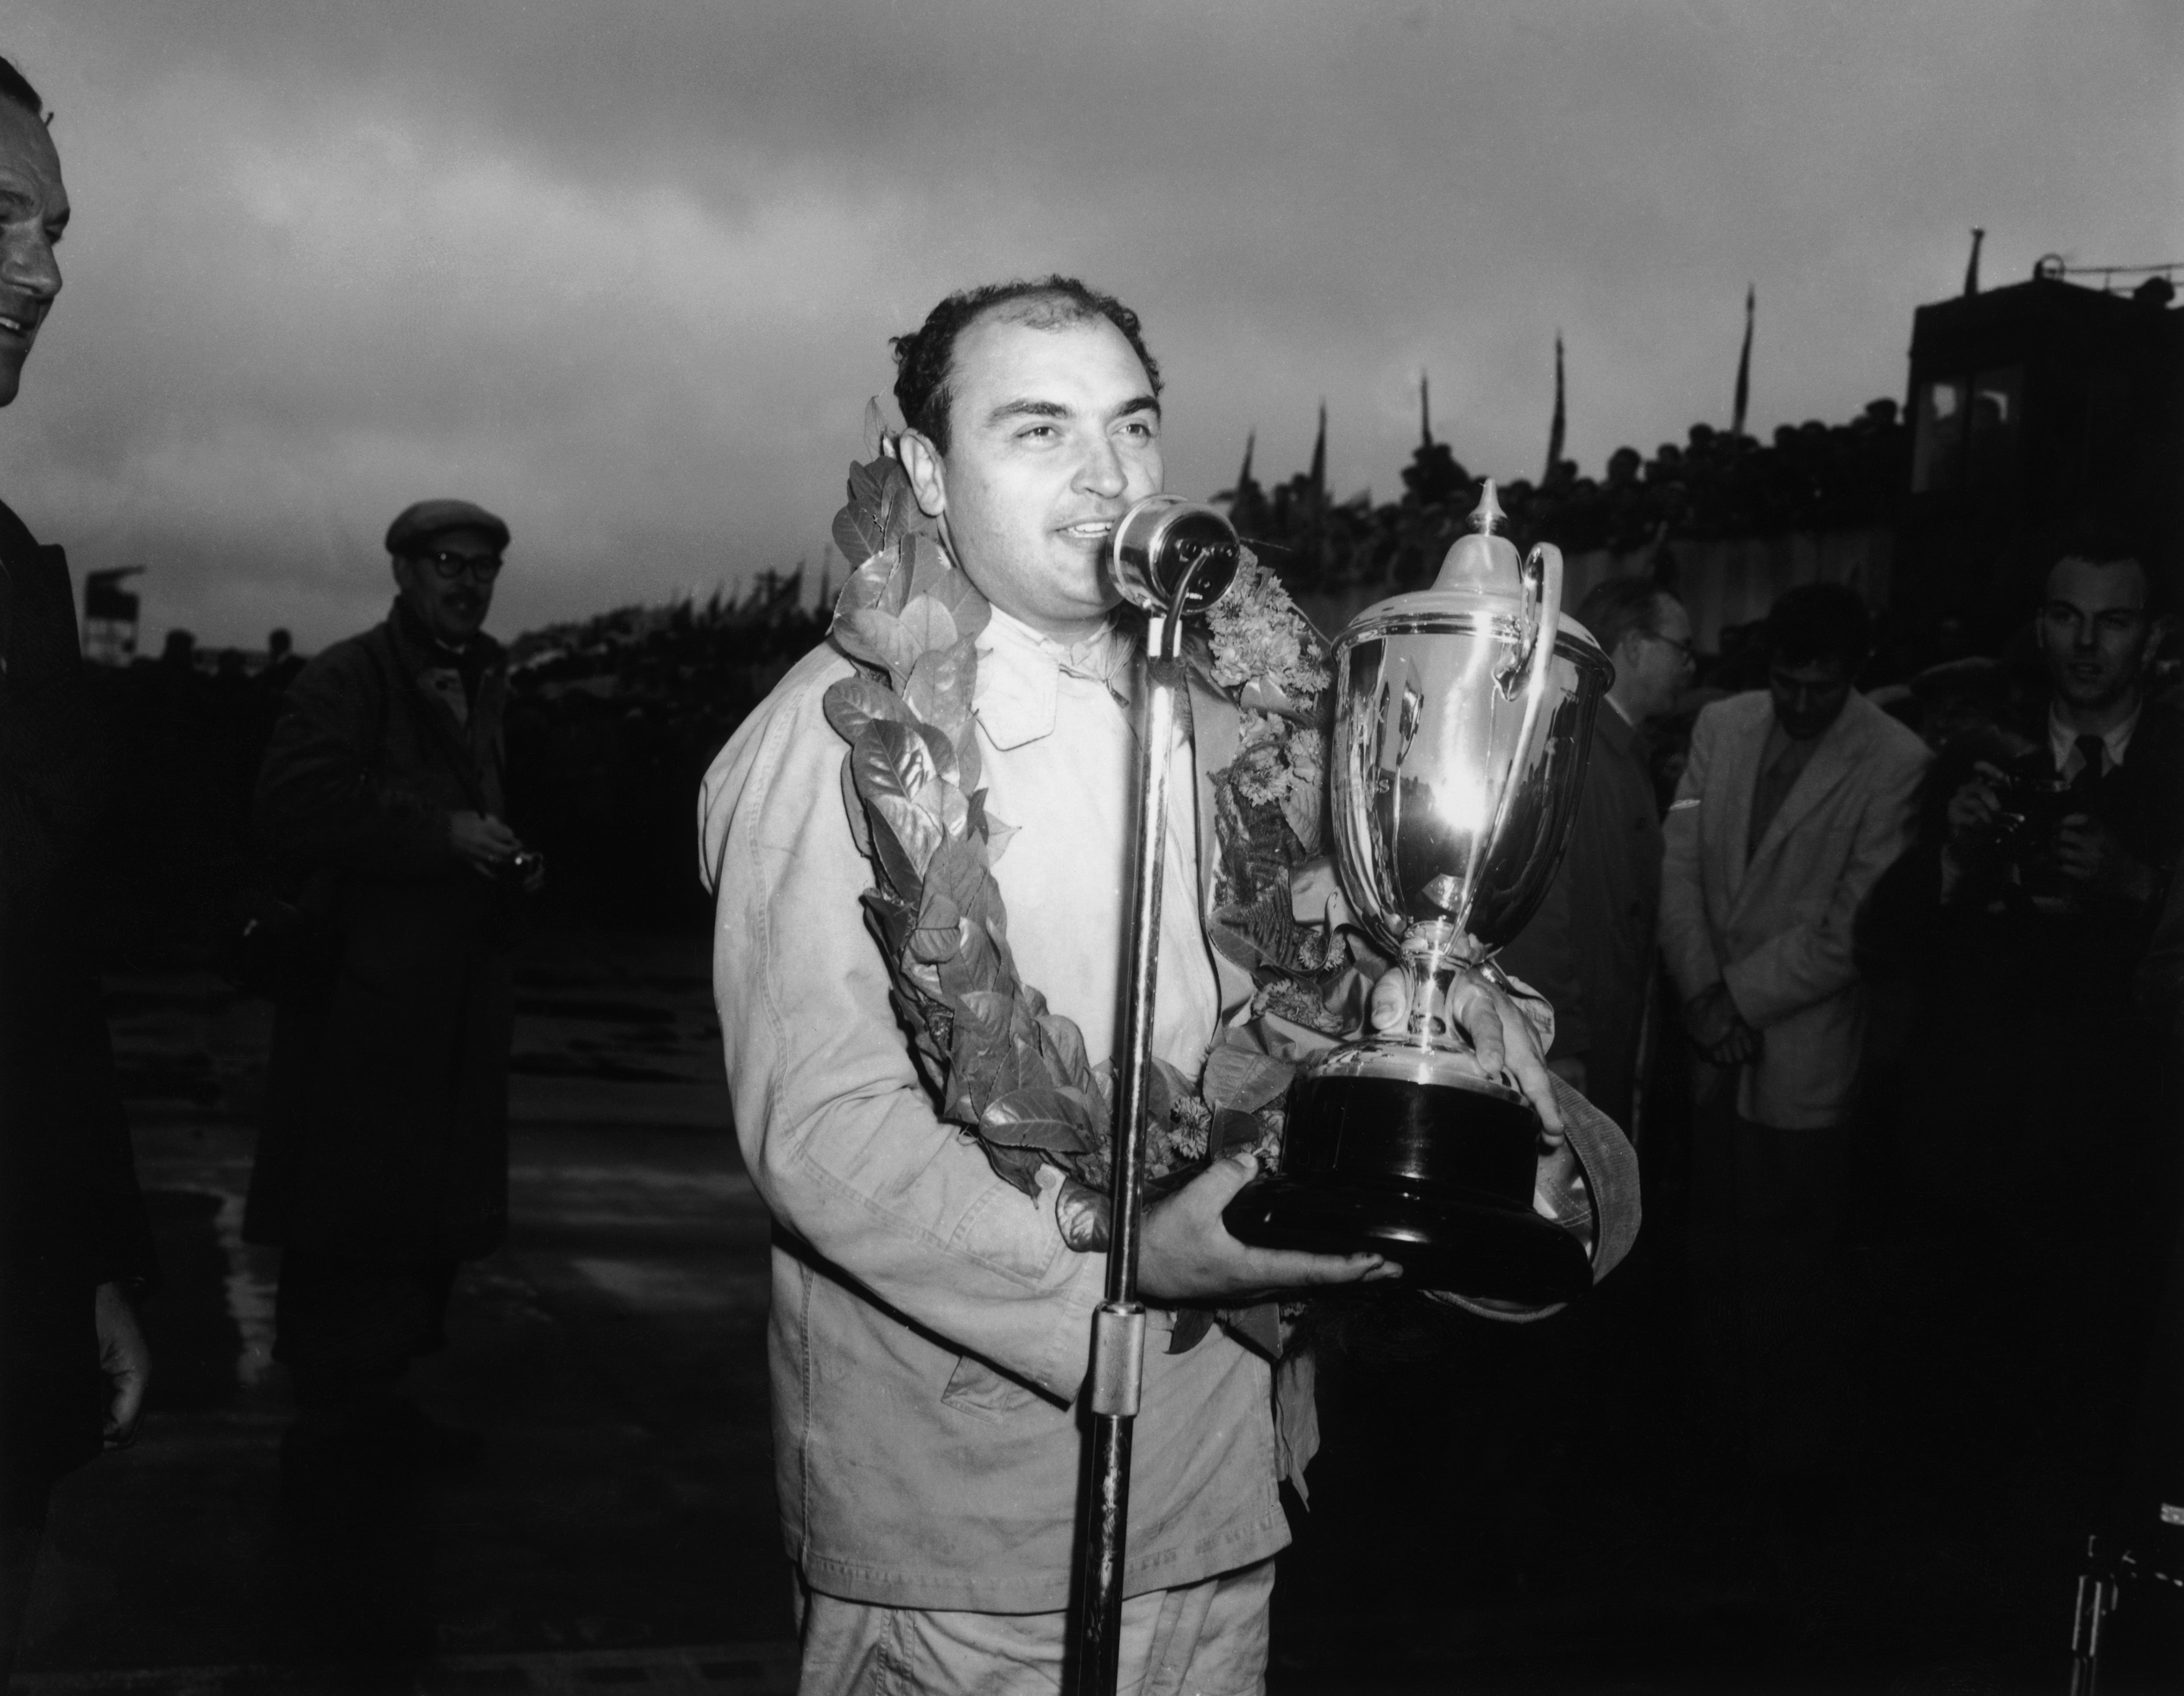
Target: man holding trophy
{"x": 918, "y": 958}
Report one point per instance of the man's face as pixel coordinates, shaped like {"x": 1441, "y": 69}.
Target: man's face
{"x": 1810, "y": 697}
{"x": 33, "y": 210}
{"x": 1053, "y": 435}
{"x": 1651, "y": 666}
{"x": 2094, "y": 631}
{"x": 452, "y": 607}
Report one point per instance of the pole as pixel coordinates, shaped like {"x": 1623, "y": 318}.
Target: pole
{"x": 1162, "y": 548}
{"x": 1118, "y": 1324}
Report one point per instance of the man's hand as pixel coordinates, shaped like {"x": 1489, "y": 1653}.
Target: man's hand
{"x": 2087, "y": 851}
{"x": 125, "y": 1360}
{"x": 1718, "y": 1030}
{"x": 481, "y": 842}
{"x": 1186, "y": 1254}
{"x": 1501, "y": 1036}
{"x": 1974, "y": 808}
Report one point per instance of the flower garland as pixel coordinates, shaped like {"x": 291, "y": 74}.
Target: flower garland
{"x": 999, "y": 1062}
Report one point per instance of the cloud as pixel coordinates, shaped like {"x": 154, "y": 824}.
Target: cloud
{"x": 627, "y": 273}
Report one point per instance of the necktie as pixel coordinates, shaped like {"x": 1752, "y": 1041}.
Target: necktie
{"x": 2091, "y": 750}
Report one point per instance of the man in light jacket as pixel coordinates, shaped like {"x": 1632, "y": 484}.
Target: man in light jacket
{"x": 1795, "y": 800}
{"x": 931, "y": 1321}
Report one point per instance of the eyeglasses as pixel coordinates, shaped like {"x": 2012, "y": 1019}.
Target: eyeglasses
{"x": 1685, "y": 650}
{"x": 448, "y": 567}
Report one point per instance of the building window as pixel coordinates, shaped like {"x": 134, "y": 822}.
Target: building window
{"x": 1966, "y": 430}
{"x": 1938, "y": 436}
{"x": 1992, "y": 427}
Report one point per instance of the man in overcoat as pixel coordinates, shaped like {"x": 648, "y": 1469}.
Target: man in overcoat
{"x": 75, "y": 1246}
{"x": 384, "y": 1162}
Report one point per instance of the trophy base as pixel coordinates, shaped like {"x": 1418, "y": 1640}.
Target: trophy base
{"x": 1440, "y": 1243}
{"x": 1410, "y": 1152}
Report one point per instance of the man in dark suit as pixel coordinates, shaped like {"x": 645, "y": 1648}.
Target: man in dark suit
{"x": 1590, "y": 950}
{"x": 74, "y": 1244}
{"x": 384, "y": 1162}
{"x": 2023, "y": 923}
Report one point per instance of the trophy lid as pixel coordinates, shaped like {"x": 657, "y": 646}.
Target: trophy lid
{"x": 1481, "y": 576}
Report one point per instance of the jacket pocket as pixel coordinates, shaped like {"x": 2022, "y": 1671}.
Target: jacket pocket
{"x": 1011, "y": 1231}
{"x": 976, "y": 1389}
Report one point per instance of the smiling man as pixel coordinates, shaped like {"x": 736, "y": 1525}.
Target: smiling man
{"x": 930, "y": 1323}
{"x": 74, "y": 1238}
{"x": 384, "y": 1162}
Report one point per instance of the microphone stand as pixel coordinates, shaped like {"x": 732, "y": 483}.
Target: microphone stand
{"x": 1162, "y": 548}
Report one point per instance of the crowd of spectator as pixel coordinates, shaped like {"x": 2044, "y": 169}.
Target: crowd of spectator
{"x": 1810, "y": 477}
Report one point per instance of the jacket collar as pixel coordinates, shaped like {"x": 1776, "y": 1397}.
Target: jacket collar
{"x": 422, "y": 651}
{"x": 1830, "y": 764}
{"x": 1611, "y": 727}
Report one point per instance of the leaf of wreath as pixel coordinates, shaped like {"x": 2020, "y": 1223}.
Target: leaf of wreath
{"x": 890, "y": 761}
{"x": 1063, "y": 1044}
{"x": 939, "y": 933}
{"x": 855, "y": 701}
{"x": 955, "y": 591}
{"x": 1242, "y": 1077}
{"x": 956, "y": 871}
{"x": 878, "y": 638}
{"x": 882, "y": 507}
{"x": 928, "y": 564}
{"x": 879, "y": 584}
{"x": 981, "y": 1064}
{"x": 856, "y": 533}
{"x": 929, "y": 624}
{"x": 1051, "y": 1119}
{"x": 1164, "y": 1087}
{"x": 892, "y": 920}
{"x": 1020, "y": 1166}
{"x": 940, "y": 684}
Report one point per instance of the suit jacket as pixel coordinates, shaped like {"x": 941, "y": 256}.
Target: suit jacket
{"x": 1777, "y": 928}
{"x": 1588, "y": 950}
{"x": 70, "y": 1216}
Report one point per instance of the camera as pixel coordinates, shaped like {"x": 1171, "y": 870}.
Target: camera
{"x": 524, "y": 871}
{"x": 2027, "y": 812}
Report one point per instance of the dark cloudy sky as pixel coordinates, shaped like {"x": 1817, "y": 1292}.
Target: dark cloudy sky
{"x": 624, "y": 271}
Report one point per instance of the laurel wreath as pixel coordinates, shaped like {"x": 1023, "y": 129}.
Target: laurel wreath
{"x": 1000, "y": 1063}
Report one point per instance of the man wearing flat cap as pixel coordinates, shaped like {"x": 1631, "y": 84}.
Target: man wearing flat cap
{"x": 383, "y": 1160}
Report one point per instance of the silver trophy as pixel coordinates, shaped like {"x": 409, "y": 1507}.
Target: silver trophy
{"x": 1463, "y": 720}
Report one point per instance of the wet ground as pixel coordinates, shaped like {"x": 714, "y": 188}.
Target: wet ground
{"x": 1467, "y": 1531}
{"x": 621, "y": 1530}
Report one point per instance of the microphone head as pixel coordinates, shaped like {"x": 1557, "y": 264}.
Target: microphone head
{"x": 1165, "y": 542}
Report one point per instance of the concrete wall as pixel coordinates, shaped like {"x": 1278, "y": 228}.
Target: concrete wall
{"x": 1734, "y": 580}
{"x": 1724, "y": 580}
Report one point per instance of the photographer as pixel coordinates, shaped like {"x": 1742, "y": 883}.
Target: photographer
{"x": 384, "y": 1158}
{"x": 2022, "y": 917}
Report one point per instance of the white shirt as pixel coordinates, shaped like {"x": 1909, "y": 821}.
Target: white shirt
{"x": 1071, "y": 798}
{"x": 2062, "y": 744}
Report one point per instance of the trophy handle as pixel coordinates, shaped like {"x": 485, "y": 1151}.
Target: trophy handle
{"x": 1543, "y": 603}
